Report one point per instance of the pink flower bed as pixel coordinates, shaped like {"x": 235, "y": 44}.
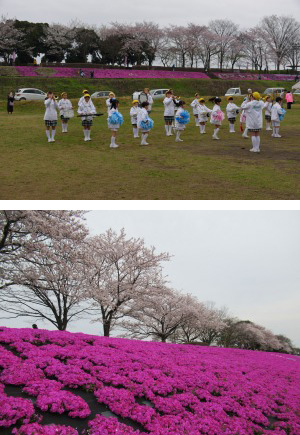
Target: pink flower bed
{"x": 249, "y": 76}
{"x": 192, "y": 390}
{"x": 28, "y": 71}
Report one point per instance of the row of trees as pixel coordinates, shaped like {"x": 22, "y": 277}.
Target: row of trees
{"x": 275, "y": 41}
{"x": 52, "y": 269}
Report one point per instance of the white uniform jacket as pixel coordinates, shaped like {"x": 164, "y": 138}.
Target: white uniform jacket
{"x": 232, "y": 110}
{"x": 86, "y": 108}
{"x": 202, "y": 112}
{"x": 253, "y": 110}
{"x": 169, "y": 107}
{"x": 276, "y": 111}
{"x": 64, "y": 104}
{"x": 134, "y": 111}
{"x": 51, "y": 110}
{"x": 195, "y": 104}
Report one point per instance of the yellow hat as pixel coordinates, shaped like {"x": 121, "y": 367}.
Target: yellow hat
{"x": 135, "y": 101}
{"x": 87, "y": 95}
{"x": 63, "y": 93}
{"x": 112, "y": 93}
{"x": 229, "y": 98}
{"x": 256, "y": 95}
{"x": 85, "y": 91}
{"x": 201, "y": 100}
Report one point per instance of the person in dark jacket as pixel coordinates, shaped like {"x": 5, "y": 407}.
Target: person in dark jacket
{"x": 10, "y": 102}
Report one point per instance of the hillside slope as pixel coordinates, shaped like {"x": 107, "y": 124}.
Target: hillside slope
{"x": 82, "y": 381}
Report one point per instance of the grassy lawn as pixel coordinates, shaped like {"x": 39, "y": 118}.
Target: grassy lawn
{"x": 198, "y": 168}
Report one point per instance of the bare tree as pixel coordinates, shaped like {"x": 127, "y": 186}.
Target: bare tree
{"x": 227, "y": 33}
{"x": 280, "y": 33}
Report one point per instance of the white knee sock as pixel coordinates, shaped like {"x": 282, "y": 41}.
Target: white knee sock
{"x": 178, "y": 134}
{"x": 84, "y": 132}
{"x": 145, "y": 137}
{"x": 203, "y": 128}
{"x": 113, "y": 140}
{"x": 66, "y": 128}
{"x": 170, "y": 129}
{"x": 167, "y": 129}
{"x": 245, "y": 132}
{"x": 48, "y": 134}
{"x": 53, "y": 134}
{"x": 88, "y": 134}
{"x": 216, "y": 132}
{"x": 258, "y": 143}
{"x": 254, "y": 142}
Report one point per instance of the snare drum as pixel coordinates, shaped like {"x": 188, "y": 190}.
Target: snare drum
{"x": 69, "y": 113}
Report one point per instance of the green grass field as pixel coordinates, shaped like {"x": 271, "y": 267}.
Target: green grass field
{"x": 196, "y": 169}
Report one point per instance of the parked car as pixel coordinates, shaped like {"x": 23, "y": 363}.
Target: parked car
{"x": 234, "y": 92}
{"x": 30, "y": 94}
{"x": 101, "y": 94}
{"x": 273, "y": 91}
{"x": 155, "y": 93}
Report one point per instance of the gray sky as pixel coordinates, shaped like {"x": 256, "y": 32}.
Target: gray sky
{"x": 246, "y": 260}
{"x": 246, "y": 13}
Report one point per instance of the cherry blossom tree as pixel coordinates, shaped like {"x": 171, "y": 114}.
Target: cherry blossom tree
{"x": 46, "y": 273}
{"x": 119, "y": 272}
{"x": 58, "y": 40}
{"x": 11, "y": 39}
{"x": 157, "y": 315}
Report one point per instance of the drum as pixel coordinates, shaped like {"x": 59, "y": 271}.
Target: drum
{"x": 69, "y": 113}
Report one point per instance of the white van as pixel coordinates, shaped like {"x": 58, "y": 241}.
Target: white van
{"x": 234, "y": 92}
{"x": 30, "y": 94}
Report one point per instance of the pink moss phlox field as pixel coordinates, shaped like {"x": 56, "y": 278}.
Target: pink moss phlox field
{"x": 99, "y": 73}
{"x": 163, "y": 389}
{"x": 37, "y": 429}
{"x": 251, "y": 76}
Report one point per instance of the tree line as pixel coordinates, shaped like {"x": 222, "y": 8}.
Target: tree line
{"x": 52, "y": 269}
{"x": 273, "y": 43}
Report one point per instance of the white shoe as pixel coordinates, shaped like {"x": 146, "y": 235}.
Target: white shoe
{"x": 52, "y": 140}
{"x": 254, "y": 151}
{"x": 216, "y": 138}
{"x": 49, "y": 140}
{"x": 232, "y": 132}
{"x": 114, "y": 146}
{"x": 179, "y": 140}
{"x": 269, "y": 129}
{"x": 245, "y": 137}
{"x": 278, "y": 135}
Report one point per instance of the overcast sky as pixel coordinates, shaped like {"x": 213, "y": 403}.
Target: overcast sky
{"x": 246, "y": 13}
{"x": 246, "y": 260}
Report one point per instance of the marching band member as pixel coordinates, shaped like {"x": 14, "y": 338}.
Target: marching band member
{"x": 145, "y": 96}
{"x": 276, "y": 113}
{"x": 115, "y": 120}
{"x": 254, "y": 119}
{"x": 195, "y": 106}
{"x": 145, "y": 123}
{"x": 217, "y": 117}
{"x": 50, "y": 117}
{"x": 84, "y": 92}
{"x": 181, "y": 120}
{"x": 232, "y": 111}
{"x": 204, "y": 113}
{"x": 134, "y": 111}
{"x": 87, "y": 108}
{"x": 64, "y": 105}
{"x": 268, "y": 111}
{"x": 169, "y": 113}
{"x": 111, "y": 95}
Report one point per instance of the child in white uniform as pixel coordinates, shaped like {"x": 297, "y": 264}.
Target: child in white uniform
{"x": 254, "y": 109}
{"x": 144, "y": 122}
{"x": 232, "y": 111}
{"x": 114, "y": 127}
{"x": 134, "y": 111}
{"x": 111, "y": 95}
{"x": 87, "y": 108}
{"x": 169, "y": 113}
{"x": 217, "y": 117}
{"x": 64, "y": 106}
{"x": 182, "y": 119}
{"x": 50, "y": 117}
{"x": 204, "y": 113}
{"x": 277, "y": 110}
{"x": 268, "y": 112}
{"x": 195, "y": 106}
{"x": 84, "y": 92}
